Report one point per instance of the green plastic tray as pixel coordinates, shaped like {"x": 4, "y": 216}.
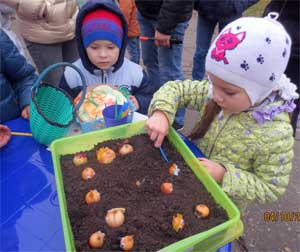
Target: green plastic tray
{"x": 209, "y": 240}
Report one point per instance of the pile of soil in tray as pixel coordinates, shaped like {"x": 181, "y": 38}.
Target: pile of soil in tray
{"x": 149, "y": 212}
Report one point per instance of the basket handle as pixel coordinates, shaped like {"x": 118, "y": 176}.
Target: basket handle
{"x": 49, "y": 68}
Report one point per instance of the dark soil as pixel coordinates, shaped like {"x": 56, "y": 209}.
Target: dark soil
{"x": 148, "y": 211}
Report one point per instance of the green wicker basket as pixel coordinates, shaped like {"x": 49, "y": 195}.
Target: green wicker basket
{"x": 51, "y": 109}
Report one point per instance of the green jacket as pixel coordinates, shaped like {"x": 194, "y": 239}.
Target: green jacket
{"x": 258, "y": 158}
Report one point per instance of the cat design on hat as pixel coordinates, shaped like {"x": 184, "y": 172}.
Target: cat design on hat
{"x": 226, "y": 41}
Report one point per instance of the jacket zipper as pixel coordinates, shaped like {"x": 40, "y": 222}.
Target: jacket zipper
{"x": 104, "y": 77}
{"x": 213, "y": 145}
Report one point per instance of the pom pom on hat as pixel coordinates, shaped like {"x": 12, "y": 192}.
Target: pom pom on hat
{"x": 251, "y": 53}
{"x": 101, "y": 25}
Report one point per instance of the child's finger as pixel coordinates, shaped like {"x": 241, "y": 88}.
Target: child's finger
{"x": 149, "y": 131}
{"x": 204, "y": 162}
{"x": 153, "y": 135}
{"x": 159, "y": 140}
{"x": 4, "y": 138}
{"x": 149, "y": 127}
{"x": 4, "y": 128}
{"x": 134, "y": 101}
{"x": 25, "y": 115}
{"x": 25, "y": 112}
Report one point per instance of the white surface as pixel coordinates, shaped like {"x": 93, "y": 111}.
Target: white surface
{"x": 139, "y": 117}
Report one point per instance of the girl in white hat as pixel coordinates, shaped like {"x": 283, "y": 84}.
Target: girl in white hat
{"x": 244, "y": 128}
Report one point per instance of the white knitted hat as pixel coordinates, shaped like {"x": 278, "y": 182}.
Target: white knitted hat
{"x": 251, "y": 53}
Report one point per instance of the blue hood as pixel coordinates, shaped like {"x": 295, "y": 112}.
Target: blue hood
{"x": 84, "y": 10}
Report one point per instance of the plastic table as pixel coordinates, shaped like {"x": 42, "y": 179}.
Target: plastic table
{"x": 30, "y": 215}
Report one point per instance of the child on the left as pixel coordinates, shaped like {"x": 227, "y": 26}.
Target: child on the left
{"x": 16, "y": 79}
{"x": 101, "y": 33}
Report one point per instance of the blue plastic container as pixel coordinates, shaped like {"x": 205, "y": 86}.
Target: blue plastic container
{"x": 109, "y": 116}
{"x": 100, "y": 124}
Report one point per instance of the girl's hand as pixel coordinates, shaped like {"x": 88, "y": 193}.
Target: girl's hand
{"x": 157, "y": 127}
{"x": 134, "y": 101}
{"x": 216, "y": 170}
{"x": 26, "y": 112}
{"x": 4, "y": 135}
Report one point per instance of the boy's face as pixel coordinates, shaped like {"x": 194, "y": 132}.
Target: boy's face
{"x": 232, "y": 99}
{"x": 103, "y": 53}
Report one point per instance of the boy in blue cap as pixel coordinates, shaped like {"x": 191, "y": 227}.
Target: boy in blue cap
{"x": 101, "y": 32}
